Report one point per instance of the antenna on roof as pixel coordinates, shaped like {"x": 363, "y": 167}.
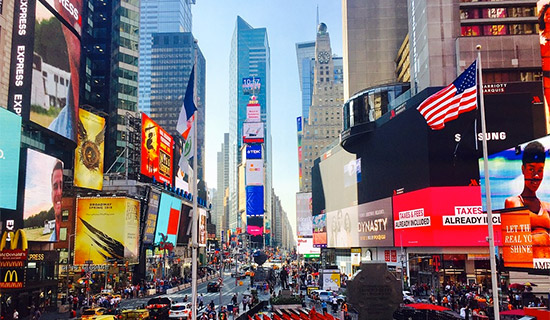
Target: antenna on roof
{"x": 317, "y": 24}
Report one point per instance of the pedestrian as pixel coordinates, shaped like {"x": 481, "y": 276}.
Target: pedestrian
{"x": 324, "y": 307}
{"x": 15, "y": 314}
{"x": 212, "y": 305}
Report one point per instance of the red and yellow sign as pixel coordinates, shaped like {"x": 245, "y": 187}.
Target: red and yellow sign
{"x": 13, "y": 255}
{"x": 156, "y": 150}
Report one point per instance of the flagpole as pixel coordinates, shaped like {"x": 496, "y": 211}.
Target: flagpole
{"x": 194, "y": 231}
{"x": 494, "y": 280}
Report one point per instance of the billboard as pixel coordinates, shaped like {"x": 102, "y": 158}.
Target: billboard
{"x": 43, "y": 195}
{"x": 44, "y": 78}
{"x": 376, "y": 223}
{"x": 331, "y": 279}
{"x": 253, "y": 110}
{"x": 442, "y": 216}
{"x": 156, "y": 151}
{"x": 254, "y": 151}
{"x": 10, "y": 145}
{"x": 255, "y": 172}
{"x": 253, "y": 132}
{"x": 202, "y": 227}
{"x": 342, "y": 228}
{"x": 69, "y": 10}
{"x": 151, "y": 218}
{"x": 168, "y": 218}
{"x": 305, "y": 246}
{"x": 254, "y": 200}
{"x": 255, "y": 226}
{"x": 304, "y": 223}
{"x": 88, "y": 159}
{"x": 107, "y": 229}
{"x": 544, "y": 13}
{"x": 320, "y": 230}
{"x": 251, "y": 85}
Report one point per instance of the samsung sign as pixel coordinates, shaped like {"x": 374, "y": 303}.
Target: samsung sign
{"x": 254, "y": 151}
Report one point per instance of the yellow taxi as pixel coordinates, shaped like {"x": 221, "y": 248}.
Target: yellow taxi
{"x": 135, "y": 314}
{"x": 92, "y": 312}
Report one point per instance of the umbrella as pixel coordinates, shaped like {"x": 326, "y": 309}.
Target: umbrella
{"x": 530, "y": 284}
{"x": 427, "y": 306}
{"x": 517, "y": 286}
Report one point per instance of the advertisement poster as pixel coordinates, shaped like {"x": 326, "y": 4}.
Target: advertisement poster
{"x": 255, "y": 172}
{"x": 253, "y": 132}
{"x": 254, "y": 200}
{"x": 152, "y": 214}
{"x": 168, "y": 218}
{"x": 254, "y": 151}
{"x": 544, "y": 33}
{"x": 320, "y": 231}
{"x": 305, "y": 247}
{"x": 517, "y": 241}
{"x": 43, "y": 197}
{"x": 342, "y": 231}
{"x": 442, "y": 216}
{"x": 255, "y": 226}
{"x": 89, "y": 153}
{"x": 55, "y": 76}
{"x": 331, "y": 279}
{"x": 304, "y": 223}
{"x": 156, "y": 151}
{"x": 376, "y": 223}
{"x": 202, "y": 227}
{"x": 107, "y": 229}
{"x": 10, "y": 145}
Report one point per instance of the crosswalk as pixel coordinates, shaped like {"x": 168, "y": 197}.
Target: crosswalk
{"x": 179, "y": 296}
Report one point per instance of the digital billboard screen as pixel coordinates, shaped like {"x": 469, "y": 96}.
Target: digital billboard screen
{"x": 442, "y": 216}
{"x": 168, "y": 218}
{"x": 253, "y": 132}
{"x": 376, "y": 223}
{"x": 44, "y": 79}
{"x": 151, "y": 218}
{"x": 254, "y": 200}
{"x": 202, "y": 227}
{"x": 305, "y": 246}
{"x": 156, "y": 151}
{"x": 254, "y": 151}
{"x": 342, "y": 231}
{"x": 255, "y": 226}
{"x": 10, "y": 145}
{"x": 304, "y": 223}
{"x": 255, "y": 172}
{"x": 320, "y": 230}
{"x": 107, "y": 229}
{"x": 43, "y": 197}
{"x": 89, "y": 153}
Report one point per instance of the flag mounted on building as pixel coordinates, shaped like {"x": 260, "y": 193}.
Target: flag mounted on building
{"x": 188, "y": 108}
{"x": 448, "y": 103}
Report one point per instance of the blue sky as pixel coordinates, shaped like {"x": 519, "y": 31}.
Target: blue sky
{"x": 287, "y": 22}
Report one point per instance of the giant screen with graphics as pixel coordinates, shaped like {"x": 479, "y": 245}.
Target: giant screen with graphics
{"x": 156, "y": 151}
{"x": 9, "y": 158}
{"x": 168, "y": 218}
{"x": 107, "y": 230}
{"x": 89, "y": 153}
{"x": 44, "y": 78}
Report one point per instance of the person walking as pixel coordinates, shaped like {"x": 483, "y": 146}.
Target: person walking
{"x": 324, "y": 307}
{"x": 15, "y": 314}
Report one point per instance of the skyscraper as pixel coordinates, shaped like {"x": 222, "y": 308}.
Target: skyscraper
{"x": 249, "y": 57}
{"x": 158, "y": 16}
{"x": 305, "y": 54}
{"x": 172, "y": 57}
{"x": 222, "y": 185}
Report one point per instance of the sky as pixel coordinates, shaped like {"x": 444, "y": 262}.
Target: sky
{"x": 288, "y": 22}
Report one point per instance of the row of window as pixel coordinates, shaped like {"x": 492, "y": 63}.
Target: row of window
{"x": 497, "y": 30}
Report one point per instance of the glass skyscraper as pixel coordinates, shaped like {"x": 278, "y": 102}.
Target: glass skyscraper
{"x": 305, "y": 54}
{"x": 158, "y": 16}
{"x": 249, "y": 57}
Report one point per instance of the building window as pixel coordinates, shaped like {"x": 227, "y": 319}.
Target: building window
{"x": 65, "y": 215}
{"x": 62, "y": 234}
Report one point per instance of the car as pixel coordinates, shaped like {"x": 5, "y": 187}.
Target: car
{"x": 135, "y": 314}
{"x": 159, "y": 307}
{"x": 407, "y": 297}
{"x": 180, "y": 311}
{"x": 213, "y": 286}
{"x": 321, "y": 295}
{"x": 92, "y": 312}
{"x": 105, "y": 317}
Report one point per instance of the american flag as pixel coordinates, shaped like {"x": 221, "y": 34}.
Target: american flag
{"x": 446, "y": 104}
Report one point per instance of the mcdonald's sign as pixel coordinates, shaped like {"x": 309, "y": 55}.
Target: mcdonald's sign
{"x": 17, "y": 248}
{"x": 11, "y": 278}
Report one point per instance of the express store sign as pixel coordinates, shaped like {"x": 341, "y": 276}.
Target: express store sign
{"x": 442, "y": 216}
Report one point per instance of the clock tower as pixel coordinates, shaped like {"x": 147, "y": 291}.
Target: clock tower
{"x": 324, "y": 121}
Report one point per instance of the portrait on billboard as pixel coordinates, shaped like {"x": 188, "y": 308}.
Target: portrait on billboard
{"x": 202, "y": 227}
{"x": 43, "y": 197}
{"x": 55, "y": 74}
{"x": 88, "y": 163}
{"x": 342, "y": 228}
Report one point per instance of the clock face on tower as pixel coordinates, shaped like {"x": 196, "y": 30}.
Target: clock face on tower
{"x": 323, "y": 57}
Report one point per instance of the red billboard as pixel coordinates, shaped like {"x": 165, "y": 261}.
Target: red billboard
{"x": 156, "y": 150}
{"x": 442, "y": 216}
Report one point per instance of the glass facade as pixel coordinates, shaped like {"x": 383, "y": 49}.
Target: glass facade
{"x": 305, "y": 54}
{"x": 249, "y": 56}
{"x": 158, "y": 16}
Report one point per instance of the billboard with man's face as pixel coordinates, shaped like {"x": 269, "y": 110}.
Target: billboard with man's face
{"x": 43, "y": 196}
{"x": 44, "y": 80}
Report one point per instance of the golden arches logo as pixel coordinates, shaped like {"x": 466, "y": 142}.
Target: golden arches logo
{"x": 12, "y": 276}
{"x": 17, "y": 239}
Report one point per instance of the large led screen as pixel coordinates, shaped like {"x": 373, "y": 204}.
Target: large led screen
{"x": 254, "y": 200}
{"x": 168, "y": 218}
{"x": 89, "y": 153}
{"x": 304, "y": 223}
{"x": 156, "y": 151}
{"x": 320, "y": 230}
{"x": 43, "y": 194}
{"x": 44, "y": 75}
{"x": 254, "y": 151}
{"x": 202, "y": 227}
{"x": 107, "y": 230}
{"x": 152, "y": 214}
{"x": 305, "y": 246}
{"x": 442, "y": 216}
{"x": 255, "y": 172}
{"x": 342, "y": 228}
{"x": 376, "y": 223}
{"x": 9, "y": 158}
{"x": 255, "y": 226}
{"x": 253, "y": 132}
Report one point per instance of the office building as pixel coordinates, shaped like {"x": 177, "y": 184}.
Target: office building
{"x": 305, "y": 55}
{"x": 158, "y": 16}
{"x": 222, "y": 187}
{"x": 249, "y": 57}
